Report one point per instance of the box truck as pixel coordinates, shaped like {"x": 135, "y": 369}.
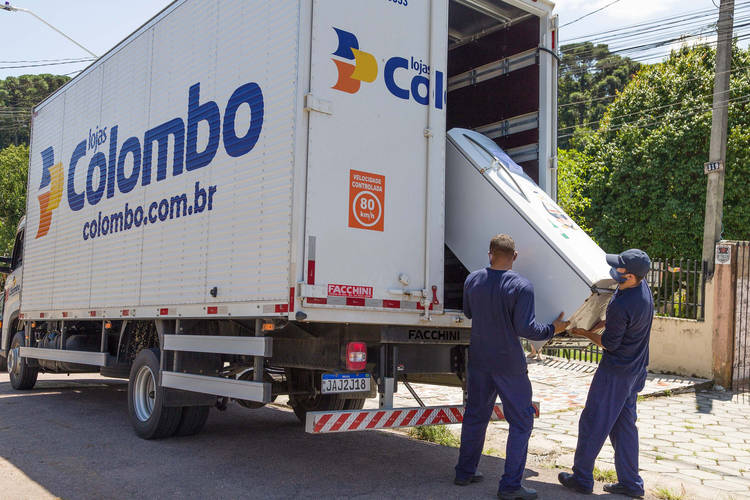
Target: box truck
{"x": 248, "y": 199}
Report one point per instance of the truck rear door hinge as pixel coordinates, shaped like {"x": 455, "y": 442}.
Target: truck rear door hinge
{"x": 312, "y": 103}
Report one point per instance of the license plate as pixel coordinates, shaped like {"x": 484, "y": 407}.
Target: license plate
{"x": 345, "y": 382}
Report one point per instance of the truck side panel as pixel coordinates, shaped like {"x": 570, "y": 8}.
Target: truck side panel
{"x": 171, "y": 166}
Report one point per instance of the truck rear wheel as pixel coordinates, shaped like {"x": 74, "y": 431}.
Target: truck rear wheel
{"x": 322, "y": 402}
{"x": 22, "y": 376}
{"x": 192, "y": 421}
{"x": 148, "y": 415}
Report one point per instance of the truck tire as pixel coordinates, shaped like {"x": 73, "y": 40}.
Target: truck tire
{"x": 148, "y": 415}
{"x": 22, "y": 376}
{"x": 354, "y": 404}
{"x": 192, "y": 421}
{"x": 328, "y": 402}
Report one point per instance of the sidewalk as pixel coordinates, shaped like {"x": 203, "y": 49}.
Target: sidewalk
{"x": 691, "y": 440}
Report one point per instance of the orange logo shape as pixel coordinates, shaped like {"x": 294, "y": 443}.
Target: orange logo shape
{"x": 52, "y": 176}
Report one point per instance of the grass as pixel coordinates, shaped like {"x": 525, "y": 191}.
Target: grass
{"x": 491, "y": 451}
{"x": 667, "y": 494}
{"x": 438, "y": 434}
{"x": 605, "y": 475}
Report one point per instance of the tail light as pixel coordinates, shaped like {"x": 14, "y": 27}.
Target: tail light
{"x": 356, "y": 356}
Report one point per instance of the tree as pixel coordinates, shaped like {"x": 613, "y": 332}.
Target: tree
{"x": 590, "y": 76}
{"x": 643, "y": 168}
{"x": 14, "y": 162}
{"x": 18, "y": 95}
{"x": 571, "y": 180}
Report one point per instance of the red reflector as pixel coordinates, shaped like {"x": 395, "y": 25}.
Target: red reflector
{"x": 356, "y": 356}
{"x": 291, "y": 299}
{"x": 212, "y": 309}
{"x": 317, "y": 300}
{"x": 351, "y": 301}
{"x": 310, "y": 272}
{"x": 64, "y": 314}
{"x": 125, "y": 312}
{"x": 92, "y": 313}
{"x": 281, "y": 308}
{"x": 392, "y": 304}
{"x": 164, "y": 311}
{"x": 41, "y": 315}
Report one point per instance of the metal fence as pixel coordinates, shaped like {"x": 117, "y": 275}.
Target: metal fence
{"x": 679, "y": 287}
{"x": 590, "y": 353}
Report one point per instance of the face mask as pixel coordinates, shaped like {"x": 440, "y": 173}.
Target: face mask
{"x": 617, "y": 276}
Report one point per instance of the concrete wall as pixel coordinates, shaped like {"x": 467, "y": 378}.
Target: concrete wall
{"x": 683, "y": 346}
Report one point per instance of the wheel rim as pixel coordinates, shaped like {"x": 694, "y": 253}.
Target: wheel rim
{"x": 13, "y": 361}
{"x": 144, "y": 395}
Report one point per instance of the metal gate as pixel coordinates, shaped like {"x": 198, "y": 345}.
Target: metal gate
{"x": 741, "y": 363}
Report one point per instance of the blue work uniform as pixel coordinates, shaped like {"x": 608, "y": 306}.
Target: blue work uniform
{"x": 611, "y": 403}
{"x": 501, "y": 307}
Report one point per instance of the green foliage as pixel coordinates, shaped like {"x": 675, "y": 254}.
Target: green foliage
{"x": 605, "y": 475}
{"x": 641, "y": 173}
{"x": 439, "y": 434}
{"x": 590, "y": 75}
{"x": 14, "y": 161}
{"x": 571, "y": 179}
{"x": 17, "y": 96}
{"x": 667, "y": 494}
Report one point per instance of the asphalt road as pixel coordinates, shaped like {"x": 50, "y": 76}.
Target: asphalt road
{"x": 70, "y": 438}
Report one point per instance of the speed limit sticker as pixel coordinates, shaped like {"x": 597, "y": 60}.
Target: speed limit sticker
{"x": 366, "y": 200}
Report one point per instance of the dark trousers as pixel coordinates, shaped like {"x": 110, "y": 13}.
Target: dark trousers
{"x": 610, "y": 411}
{"x": 515, "y": 394}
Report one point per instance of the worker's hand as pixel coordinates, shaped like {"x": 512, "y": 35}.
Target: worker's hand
{"x": 581, "y": 332}
{"x": 559, "y": 324}
{"x": 598, "y": 326}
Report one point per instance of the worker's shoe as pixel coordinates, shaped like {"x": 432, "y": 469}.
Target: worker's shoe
{"x": 620, "y": 489}
{"x": 570, "y": 482}
{"x": 519, "y": 494}
{"x": 477, "y": 477}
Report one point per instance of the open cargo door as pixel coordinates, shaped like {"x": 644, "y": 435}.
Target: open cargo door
{"x": 486, "y": 194}
{"x": 367, "y": 206}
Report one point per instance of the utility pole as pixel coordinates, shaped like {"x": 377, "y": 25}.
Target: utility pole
{"x": 718, "y": 149}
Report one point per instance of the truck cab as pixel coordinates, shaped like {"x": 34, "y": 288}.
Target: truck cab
{"x": 10, "y": 302}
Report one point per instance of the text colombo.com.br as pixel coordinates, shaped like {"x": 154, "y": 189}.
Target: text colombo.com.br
{"x": 157, "y": 211}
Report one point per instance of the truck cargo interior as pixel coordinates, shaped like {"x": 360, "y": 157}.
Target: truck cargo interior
{"x": 493, "y": 51}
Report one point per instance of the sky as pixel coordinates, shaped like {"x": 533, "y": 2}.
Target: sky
{"x": 98, "y": 25}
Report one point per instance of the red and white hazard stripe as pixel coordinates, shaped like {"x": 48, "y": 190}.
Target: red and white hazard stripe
{"x": 322, "y": 422}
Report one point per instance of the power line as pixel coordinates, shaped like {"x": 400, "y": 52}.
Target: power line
{"x": 586, "y": 101}
{"x": 659, "y": 22}
{"x": 589, "y": 14}
{"x": 71, "y": 59}
{"x": 647, "y": 110}
{"x": 44, "y": 64}
{"x": 683, "y": 114}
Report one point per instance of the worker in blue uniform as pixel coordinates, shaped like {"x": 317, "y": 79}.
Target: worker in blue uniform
{"x": 611, "y": 404}
{"x": 500, "y": 303}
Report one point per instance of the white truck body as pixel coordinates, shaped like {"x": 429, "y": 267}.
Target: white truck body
{"x": 324, "y": 193}
{"x": 247, "y": 199}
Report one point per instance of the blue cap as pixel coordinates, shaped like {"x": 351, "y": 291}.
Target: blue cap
{"x": 634, "y": 261}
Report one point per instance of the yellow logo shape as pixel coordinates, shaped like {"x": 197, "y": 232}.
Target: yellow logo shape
{"x": 50, "y": 200}
{"x": 365, "y": 66}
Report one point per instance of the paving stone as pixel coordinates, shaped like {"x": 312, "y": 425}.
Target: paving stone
{"x": 700, "y": 474}
{"x": 712, "y": 455}
{"x": 661, "y": 466}
{"x": 695, "y": 460}
{"x": 724, "y": 486}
